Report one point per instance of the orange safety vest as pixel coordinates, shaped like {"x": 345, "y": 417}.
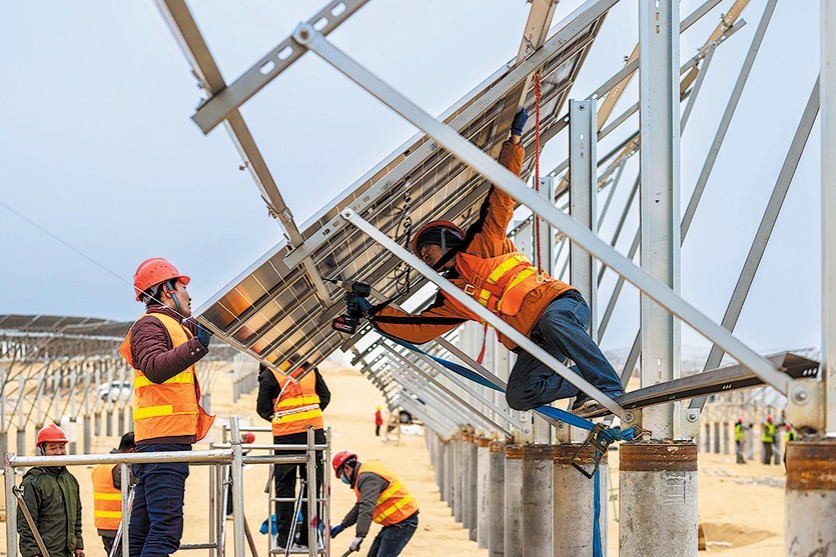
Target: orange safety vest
{"x": 395, "y": 504}
{"x": 107, "y": 500}
{"x": 171, "y": 408}
{"x": 297, "y": 405}
{"x": 499, "y": 283}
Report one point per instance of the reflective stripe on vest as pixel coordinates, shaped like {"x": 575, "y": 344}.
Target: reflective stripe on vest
{"x": 395, "y": 504}
{"x": 107, "y": 500}
{"x": 297, "y": 406}
{"x": 167, "y": 409}
{"x": 499, "y": 283}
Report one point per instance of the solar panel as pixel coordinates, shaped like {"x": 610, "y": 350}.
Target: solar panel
{"x": 271, "y": 312}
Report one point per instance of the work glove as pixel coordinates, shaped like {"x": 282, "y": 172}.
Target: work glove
{"x": 204, "y": 335}
{"x": 519, "y": 122}
{"x": 357, "y": 306}
{"x": 355, "y": 544}
{"x": 335, "y": 530}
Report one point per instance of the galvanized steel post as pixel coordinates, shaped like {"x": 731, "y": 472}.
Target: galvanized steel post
{"x": 574, "y": 498}
{"x": 496, "y": 499}
{"x": 513, "y": 537}
{"x": 537, "y": 503}
{"x": 658, "y": 492}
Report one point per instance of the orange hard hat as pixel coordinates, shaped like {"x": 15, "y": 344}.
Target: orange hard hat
{"x": 434, "y": 233}
{"x": 153, "y": 272}
{"x": 51, "y": 433}
{"x": 248, "y": 437}
{"x": 340, "y": 458}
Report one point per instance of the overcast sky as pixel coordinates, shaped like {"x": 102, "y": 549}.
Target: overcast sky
{"x": 97, "y": 146}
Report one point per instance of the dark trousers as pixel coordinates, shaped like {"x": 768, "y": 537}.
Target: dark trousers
{"x": 740, "y": 456}
{"x": 391, "y": 540}
{"x": 285, "y": 477}
{"x": 767, "y": 453}
{"x": 377, "y": 430}
{"x": 108, "y": 542}
{"x": 157, "y": 515}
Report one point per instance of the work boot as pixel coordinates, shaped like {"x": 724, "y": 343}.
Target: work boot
{"x": 584, "y": 402}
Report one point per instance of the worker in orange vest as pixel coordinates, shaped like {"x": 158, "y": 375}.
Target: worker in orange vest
{"x": 487, "y": 266}
{"x": 107, "y": 496}
{"x": 163, "y": 347}
{"x": 381, "y": 497}
{"x": 292, "y": 407}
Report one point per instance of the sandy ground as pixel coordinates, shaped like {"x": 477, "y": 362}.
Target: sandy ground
{"x": 740, "y": 505}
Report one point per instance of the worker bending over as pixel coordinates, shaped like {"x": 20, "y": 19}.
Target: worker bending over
{"x": 52, "y": 498}
{"x": 107, "y": 496}
{"x": 486, "y": 265}
{"x": 163, "y": 347}
{"x": 381, "y": 497}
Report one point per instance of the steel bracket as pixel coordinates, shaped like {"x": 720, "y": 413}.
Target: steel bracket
{"x": 688, "y": 422}
{"x": 805, "y": 404}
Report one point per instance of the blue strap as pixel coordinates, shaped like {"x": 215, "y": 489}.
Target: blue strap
{"x": 596, "y": 526}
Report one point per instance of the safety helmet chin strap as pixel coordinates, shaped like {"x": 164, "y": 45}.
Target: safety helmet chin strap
{"x": 173, "y": 297}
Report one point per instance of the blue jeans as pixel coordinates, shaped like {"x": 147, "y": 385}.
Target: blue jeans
{"x": 391, "y": 540}
{"x": 562, "y": 332}
{"x": 157, "y": 515}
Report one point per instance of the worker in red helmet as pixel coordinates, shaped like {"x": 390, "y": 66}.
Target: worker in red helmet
{"x": 52, "y": 497}
{"x": 381, "y": 497}
{"x": 740, "y": 439}
{"x": 163, "y": 347}
{"x": 107, "y": 495}
{"x": 768, "y": 431}
{"x": 484, "y": 263}
{"x": 292, "y": 407}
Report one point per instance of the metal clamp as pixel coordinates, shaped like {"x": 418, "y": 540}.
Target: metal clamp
{"x": 595, "y": 446}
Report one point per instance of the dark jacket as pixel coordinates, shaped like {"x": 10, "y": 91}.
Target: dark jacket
{"x": 370, "y": 486}
{"x": 269, "y": 389}
{"x": 51, "y": 495}
{"x": 154, "y": 355}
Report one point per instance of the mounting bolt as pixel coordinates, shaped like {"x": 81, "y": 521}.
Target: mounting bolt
{"x": 692, "y": 417}
{"x": 800, "y": 395}
{"x": 581, "y": 107}
{"x": 303, "y": 33}
{"x": 629, "y": 417}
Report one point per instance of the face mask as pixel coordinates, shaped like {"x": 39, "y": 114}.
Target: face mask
{"x": 345, "y": 480}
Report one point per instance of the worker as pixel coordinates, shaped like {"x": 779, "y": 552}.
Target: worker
{"x": 292, "y": 407}
{"x": 381, "y": 497}
{"x": 247, "y": 438}
{"x": 487, "y": 266}
{"x": 378, "y": 421}
{"x": 789, "y": 434}
{"x": 52, "y": 498}
{"x": 107, "y": 495}
{"x": 740, "y": 440}
{"x": 163, "y": 347}
{"x": 768, "y": 438}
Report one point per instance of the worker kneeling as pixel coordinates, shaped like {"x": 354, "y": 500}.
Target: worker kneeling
{"x": 487, "y": 266}
{"x": 381, "y": 497}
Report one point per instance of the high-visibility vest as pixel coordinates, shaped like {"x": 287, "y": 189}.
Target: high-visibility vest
{"x": 738, "y": 432}
{"x": 395, "y": 503}
{"x": 768, "y": 433}
{"x": 297, "y": 406}
{"x": 499, "y": 283}
{"x": 171, "y": 408}
{"x": 790, "y": 435}
{"x": 107, "y": 500}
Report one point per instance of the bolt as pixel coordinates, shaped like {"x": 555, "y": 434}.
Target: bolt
{"x": 581, "y": 107}
{"x": 629, "y": 417}
{"x": 304, "y": 33}
{"x": 692, "y": 416}
{"x": 801, "y": 395}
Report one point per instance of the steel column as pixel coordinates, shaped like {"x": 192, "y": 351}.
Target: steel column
{"x": 828, "y": 173}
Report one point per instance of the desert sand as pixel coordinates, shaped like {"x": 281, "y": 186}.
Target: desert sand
{"x": 741, "y": 506}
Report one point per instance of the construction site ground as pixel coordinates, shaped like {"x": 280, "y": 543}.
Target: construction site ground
{"x": 741, "y": 506}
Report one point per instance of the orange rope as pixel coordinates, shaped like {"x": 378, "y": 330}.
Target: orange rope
{"x": 537, "y": 94}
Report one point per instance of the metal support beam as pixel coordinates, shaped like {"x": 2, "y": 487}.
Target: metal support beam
{"x": 828, "y": 204}
{"x": 506, "y": 181}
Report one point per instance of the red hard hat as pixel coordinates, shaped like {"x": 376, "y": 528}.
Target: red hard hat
{"x": 153, "y": 272}
{"x": 429, "y": 227}
{"x": 769, "y": 419}
{"x": 248, "y": 437}
{"x": 787, "y": 427}
{"x": 51, "y": 434}
{"x": 340, "y": 458}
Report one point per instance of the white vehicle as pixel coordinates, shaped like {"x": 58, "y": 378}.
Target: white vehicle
{"x": 116, "y": 390}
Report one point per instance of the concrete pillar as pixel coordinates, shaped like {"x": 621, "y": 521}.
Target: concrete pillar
{"x": 449, "y": 450}
{"x": 777, "y": 453}
{"x": 658, "y": 493}
{"x": 97, "y": 424}
{"x": 537, "y": 504}
{"x": 109, "y": 423}
{"x": 513, "y": 538}
{"x": 467, "y": 494}
{"x": 750, "y": 444}
{"x": 496, "y": 499}
{"x": 473, "y": 486}
{"x": 707, "y": 439}
{"x": 440, "y": 462}
{"x": 482, "y": 487}
{"x": 574, "y": 503}
{"x": 458, "y": 473}
{"x": 726, "y": 438}
{"x": 810, "y": 492}
{"x": 21, "y": 442}
{"x": 120, "y": 421}
{"x": 716, "y": 437}
{"x": 87, "y": 440}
